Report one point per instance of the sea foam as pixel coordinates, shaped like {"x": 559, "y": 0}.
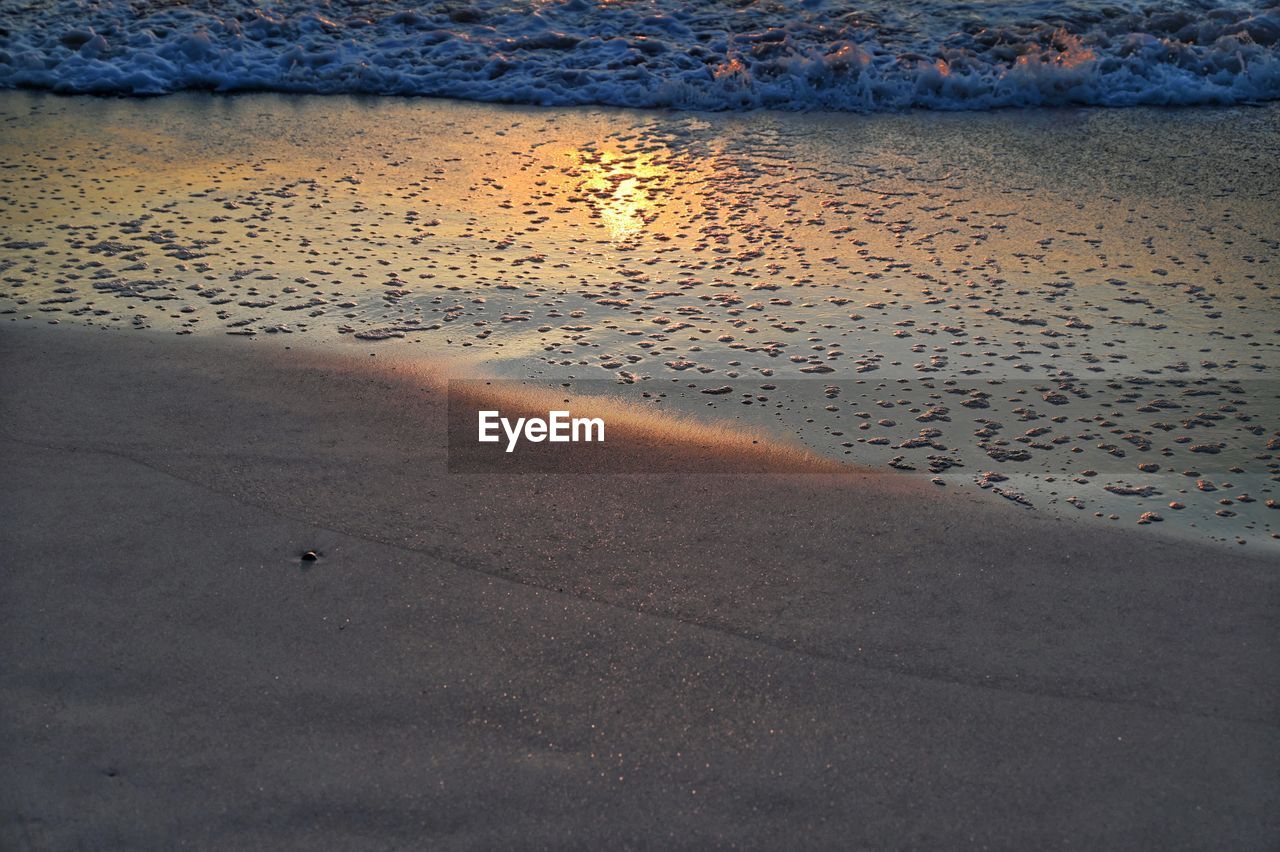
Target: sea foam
{"x": 658, "y": 53}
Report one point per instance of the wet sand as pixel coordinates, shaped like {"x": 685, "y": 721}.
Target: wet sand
{"x": 860, "y": 660}
{"x": 1068, "y": 311}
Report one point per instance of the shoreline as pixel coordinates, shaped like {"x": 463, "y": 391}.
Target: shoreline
{"x": 714, "y": 446}
{"x": 643, "y": 110}
{"x": 824, "y": 269}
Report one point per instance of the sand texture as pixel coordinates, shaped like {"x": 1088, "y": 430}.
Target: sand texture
{"x": 574, "y": 661}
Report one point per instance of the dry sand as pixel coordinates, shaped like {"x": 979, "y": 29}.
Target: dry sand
{"x": 573, "y": 661}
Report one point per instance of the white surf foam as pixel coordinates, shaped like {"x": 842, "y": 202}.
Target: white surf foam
{"x": 658, "y": 53}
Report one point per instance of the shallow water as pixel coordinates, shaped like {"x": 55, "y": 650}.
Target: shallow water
{"x": 1072, "y": 310}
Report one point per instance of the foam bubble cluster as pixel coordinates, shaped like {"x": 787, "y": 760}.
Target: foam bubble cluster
{"x": 660, "y": 53}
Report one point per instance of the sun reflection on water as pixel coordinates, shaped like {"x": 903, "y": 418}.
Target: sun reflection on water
{"x": 624, "y": 190}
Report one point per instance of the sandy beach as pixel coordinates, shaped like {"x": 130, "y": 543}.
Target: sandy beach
{"x": 1069, "y": 310}
{"x": 574, "y": 660}
{"x": 940, "y": 502}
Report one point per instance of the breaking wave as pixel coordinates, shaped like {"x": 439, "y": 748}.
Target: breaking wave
{"x": 657, "y": 53}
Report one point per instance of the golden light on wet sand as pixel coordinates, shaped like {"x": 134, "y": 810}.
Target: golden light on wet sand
{"x": 623, "y": 189}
